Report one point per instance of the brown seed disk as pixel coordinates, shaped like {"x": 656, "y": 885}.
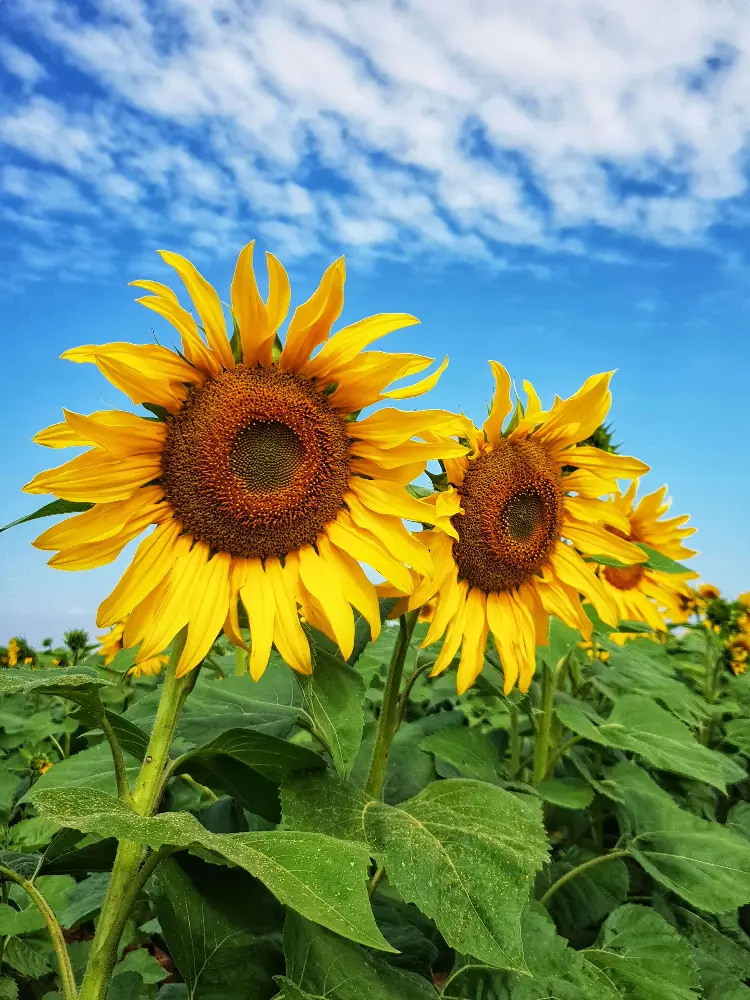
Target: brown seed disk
{"x": 625, "y": 578}
{"x": 513, "y": 505}
{"x": 256, "y": 462}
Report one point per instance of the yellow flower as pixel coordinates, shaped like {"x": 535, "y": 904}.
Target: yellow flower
{"x": 261, "y": 484}
{"x": 111, "y": 643}
{"x": 13, "y": 651}
{"x": 745, "y": 599}
{"x": 153, "y": 665}
{"x": 27, "y": 660}
{"x": 642, "y": 594}
{"x": 505, "y": 562}
{"x": 707, "y": 592}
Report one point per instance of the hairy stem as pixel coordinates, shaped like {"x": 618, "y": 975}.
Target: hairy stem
{"x": 67, "y": 979}
{"x": 389, "y": 720}
{"x": 575, "y": 872}
{"x": 542, "y": 743}
{"x": 121, "y": 775}
{"x": 132, "y": 867}
{"x": 515, "y": 742}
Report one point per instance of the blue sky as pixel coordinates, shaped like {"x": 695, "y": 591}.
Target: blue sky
{"x": 562, "y": 187}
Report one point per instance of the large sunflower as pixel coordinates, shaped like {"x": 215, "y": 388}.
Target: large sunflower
{"x": 261, "y": 484}
{"x": 642, "y": 594}
{"x": 509, "y": 534}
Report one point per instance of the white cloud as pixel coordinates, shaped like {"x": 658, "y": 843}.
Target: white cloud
{"x": 20, "y": 63}
{"x": 395, "y": 126}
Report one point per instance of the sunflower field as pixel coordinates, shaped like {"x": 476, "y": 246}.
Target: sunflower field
{"x": 386, "y": 705}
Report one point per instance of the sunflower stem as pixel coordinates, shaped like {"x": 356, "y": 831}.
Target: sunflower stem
{"x": 575, "y": 872}
{"x": 515, "y": 741}
{"x": 544, "y": 730}
{"x": 132, "y": 868}
{"x": 389, "y": 713}
{"x": 240, "y": 661}
{"x": 67, "y": 979}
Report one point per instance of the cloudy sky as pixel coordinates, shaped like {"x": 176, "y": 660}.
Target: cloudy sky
{"x": 561, "y": 186}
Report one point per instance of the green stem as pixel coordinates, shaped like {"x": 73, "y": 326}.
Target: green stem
{"x": 57, "y": 746}
{"x": 406, "y": 693}
{"x": 67, "y": 979}
{"x": 240, "y": 661}
{"x": 132, "y": 867}
{"x": 388, "y": 721}
{"x": 573, "y": 873}
{"x": 563, "y": 749}
{"x": 121, "y": 774}
{"x": 515, "y": 741}
{"x": 541, "y": 746}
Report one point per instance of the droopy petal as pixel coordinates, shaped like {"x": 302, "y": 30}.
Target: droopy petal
{"x": 474, "y": 640}
{"x": 571, "y": 569}
{"x": 454, "y": 635}
{"x": 324, "y": 585}
{"x": 97, "y": 477}
{"x": 101, "y": 521}
{"x": 366, "y": 548}
{"x": 131, "y": 435}
{"x": 207, "y": 305}
{"x": 312, "y": 321}
{"x": 207, "y": 614}
{"x": 250, "y": 311}
{"x": 187, "y": 581}
{"x": 345, "y": 345}
{"x": 89, "y": 555}
{"x": 359, "y": 590}
{"x": 288, "y": 634}
{"x": 392, "y": 534}
{"x": 258, "y": 598}
{"x": 501, "y": 404}
{"x": 604, "y": 464}
{"x": 418, "y": 388}
{"x": 595, "y": 540}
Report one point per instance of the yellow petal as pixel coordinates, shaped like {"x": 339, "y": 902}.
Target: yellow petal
{"x": 361, "y": 382}
{"x": 142, "y": 388}
{"x": 312, "y": 321}
{"x": 408, "y": 453}
{"x": 97, "y": 477}
{"x": 193, "y": 347}
{"x": 131, "y": 435}
{"x": 250, "y": 311}
{"x": 454, "y": 635}
{"x": 595, "y": 540}
{"x": 586, "y": 484}
{"x": 288, "y": 634}
{"x": 418, "y": 388}
{"x": 388, "y": 498}
{"x": 207, "y": 304}
{"x": 572, "y": 570}
{"x": 207, "y": 612}
{"x": 501, "y": 404}
{"x": 474, "y": 640}
{"x": 597, "y": 512}
{"x": 151, "y": 360}
{"x": 400, "y": 475}
{"x": 366, "y": 548}
{"x": 258, "y": 598}
{"x": 319, "y": 579}
{"x": 101, "y": 521}
{"x": 186, "y": 583}
{"x": 140, "y": 619}
{"x": 446, "y": 607}
{"x": 89, "y": 555}
{"x": 279, "y": 293}
{"x": 583, "y": 412}
{"x": 604, "y": 464}
{"x": 345, "y": 345}
{"x": 359, "y": 590}
{"x": 387, "y": 428}
{"x": 392, "y": 534}
{"x": 501, "y": 621}
{"x": 152, "y": 561}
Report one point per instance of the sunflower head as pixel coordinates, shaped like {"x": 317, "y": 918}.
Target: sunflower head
{"x": 111, "y": 643}
{"x": 512, "y": 530}
{"x": 262, "y": 486}
{"x": 707, "y": 592}
{"x": 14, "y": 651}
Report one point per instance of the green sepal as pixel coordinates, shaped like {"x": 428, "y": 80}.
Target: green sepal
{"x": 52, "y": 510}
{"x": 159, "y": 411}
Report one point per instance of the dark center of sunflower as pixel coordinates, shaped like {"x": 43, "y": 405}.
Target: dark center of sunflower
{"x": 256, "y": 462}
{"x": 624, "y": 577}
{"x": 513, "y": 507}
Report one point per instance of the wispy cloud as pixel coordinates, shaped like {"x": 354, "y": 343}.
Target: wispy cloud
{"x": 393, "y": 127}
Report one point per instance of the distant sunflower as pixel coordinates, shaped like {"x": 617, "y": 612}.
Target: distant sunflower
{"x": 153, "y": 666}
{"x": 707, "y": 592}
{"x": 13, "y": 652}
{"x": 508, "y": 535}
{"x": 111, "y": 643}
{"x": 262, "y": 485}
{"x": 642, "y": 594}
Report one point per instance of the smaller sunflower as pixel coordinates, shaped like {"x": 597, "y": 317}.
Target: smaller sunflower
{"x": 594, "y": 651}
{"x": 13, "y": 652}
{"x": 111, "y": 643}
{"x": 642, "y": 594}
{"x": 707, "y": 592}
{"x": 510, "y": 529}
{"x": 738, "y": 650}
{"x": 151, "y": 666}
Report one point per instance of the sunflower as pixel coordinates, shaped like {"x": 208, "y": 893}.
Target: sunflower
{"x": 642, "y": 594}
{"x": 262, "y": 485}
{"x": 707, "y": 592}
{"x": 13, "y": 652}
{"x": 509, "y": 530}
{"x": 111, "y": 643}
{"x": 738, "y": 650}
{"x": 153, "y": 666}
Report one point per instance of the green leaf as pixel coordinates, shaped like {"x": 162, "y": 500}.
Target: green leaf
{"x": 143, "y": 964}
{"x": 723, "y": 964}
{"x": 470, "y": 752}
{"x": 333, "y": 698}
{"x": 465, "y": 853}
{"x": 590, "y": 896}
{"x": 324, "y": 967}
{"x": 638, "y": 725}
{"x": 270, "y": 756}
{"x": 84, "y": 900}
{"x": 27, "y": 956}
{"x": 92, "y": 768}
{"x": 320, "y": 877}
{"x": 72, "y": 851}
{"x": 76, "y": 683}
{"x": 8, "y": 989}
{"x": 51, "y": 510}
{"x": 127, "y": 986}
{"x": 738, "y": 732}
{"x": 570, "y": 793}
{"x": 660, "y": 562}
{"x": 31, "y": 835}
{"x": 224, "y": 949}
{"x": 705, "y": 863}
{"x": 644, "y": 957}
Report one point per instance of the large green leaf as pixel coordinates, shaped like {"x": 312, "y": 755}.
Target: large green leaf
{"x": 55, "y": 508}
{"x": 84, "y": 900}
{"x": 79, "y": 684}
{"x": 738, "y": 733}
{"x": 471, "y": 753}
{"x": 224, "y": 948}
{"x": 588, "y": 897}
{"x": 270, "y": 756}
{"x": 464, "y": 852}
{"x": 333, "y": 696}
{"x": 569, "y": 793}
{"x": 638, "y": 725}
{"x": 705, "y": 863}
{"x": 92, "y": 768}
{"x": 321, "y": 966}
{"x": 644, "y": 957}
{"x": 320, "y": 877}
{"x": 724, "y": 964}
